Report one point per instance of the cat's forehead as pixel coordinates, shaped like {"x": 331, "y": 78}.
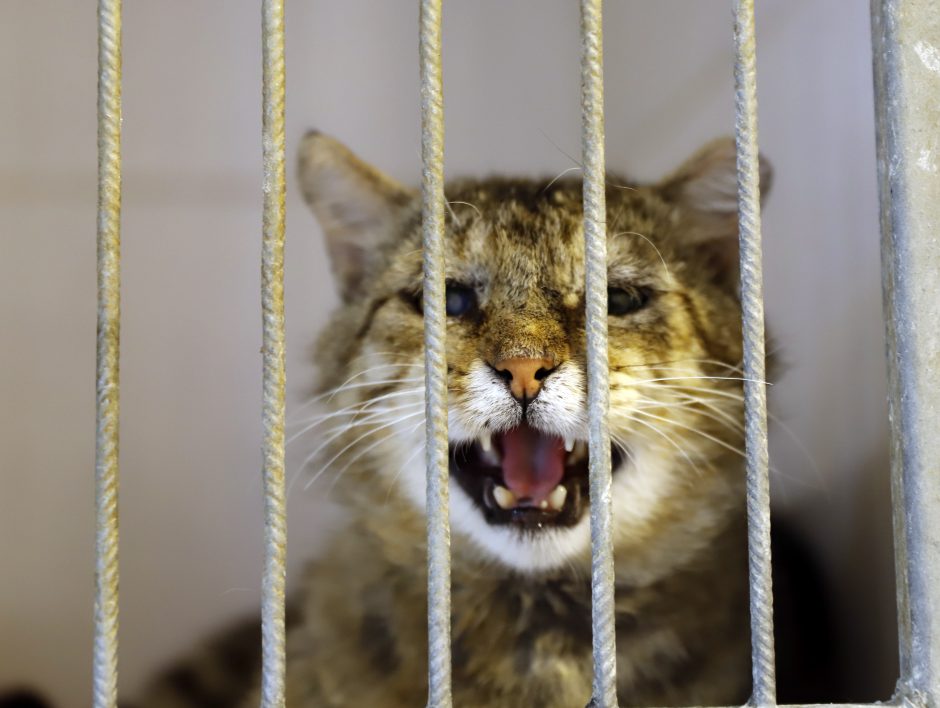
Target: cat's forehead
{"x": 531, "y": 233}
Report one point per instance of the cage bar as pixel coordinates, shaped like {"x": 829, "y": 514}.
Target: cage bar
{"x": 435, "y": 353}
{"x": 906, "y": 48}
{"x": 755, "y": 394}
{"x": 107, "y": 385}
{"x": 603, "y": 627}
{"x": 273, "y": 346}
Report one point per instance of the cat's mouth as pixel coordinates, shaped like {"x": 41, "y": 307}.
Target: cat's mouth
{"x": 526, "y": 478}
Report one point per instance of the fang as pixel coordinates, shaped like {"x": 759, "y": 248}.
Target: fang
{"x": 557, "y": 498}
{"x": 503, "y": 497}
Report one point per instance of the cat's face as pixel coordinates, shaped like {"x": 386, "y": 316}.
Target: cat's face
{"x": 516, "y": 352}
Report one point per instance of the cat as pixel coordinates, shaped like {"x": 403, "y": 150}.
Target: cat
{"x": 521, "y": 617}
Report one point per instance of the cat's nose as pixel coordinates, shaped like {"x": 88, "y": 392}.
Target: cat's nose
{"x": 524, "y": 376}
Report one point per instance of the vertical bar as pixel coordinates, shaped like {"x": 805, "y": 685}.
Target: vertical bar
{"x": 595, "y": 246}
{"x": 107, "y": 388}
{"x": 274, "y": 375}
{"x": 435, "y": 352}
{"x": 906, "y": 48}
{"x": 755, "y": 394}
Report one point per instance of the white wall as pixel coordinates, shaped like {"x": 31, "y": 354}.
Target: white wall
{"x": 190, "y": 496}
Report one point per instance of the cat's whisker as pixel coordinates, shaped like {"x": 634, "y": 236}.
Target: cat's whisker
{"x": 717, "y": 392}
{"x": 378, "y": 416}
{"x": 453, "y": 214}
{"x": 822, "y": 482}
{"x": 686, "y": 360}
{"x": 393, "y": 433}
{"x": 739, "y": 429}
{"x": 343, "y": 386}
{"x": 362, "y": 356}
{"x": 343, "y": 428}
{"x": 370, "y": 431}
{"x": 655, "y": 248}
{"x": 353, "y": 412}
{"x": 691, "y": 370}
{"x": 369, "y": 370}
{"x": 714, "y": 439}
{"x": 298, "y": 472}
{"x": 359, "y": 455}
{"x": 559, "y": 176}
{"x": 775, "y": 419}
{"x": 624, "y": 448}
{"x": 661, "y": 433}
{"x": 716, "y": 414}
{"x": 472, "y": 206}
{"x": 369, "y": 402}
{"x": 715, "y": 362}
{"x": 350, "y": 411}
{"x": 709, "y": 362}
{"x": 708, "y": 378}
{"x": 394, "y": 480}
{"x": 315, "y": 453}
{"x": 352, "y": 387}
{"x": 581, "y": 166}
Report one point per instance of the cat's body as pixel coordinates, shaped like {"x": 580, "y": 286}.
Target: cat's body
{"x": 517, "y": 641}
{"x": 521, "y": 551}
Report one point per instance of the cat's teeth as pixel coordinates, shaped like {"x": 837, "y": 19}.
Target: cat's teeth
{"x": 569, "y": 444}
{"x": 543, "y": 504}
{"x": 489, "y": 454}
{"x": 503, "y": 497}
{"x": 578, "y": 452}
{"x": 556, "y": 500}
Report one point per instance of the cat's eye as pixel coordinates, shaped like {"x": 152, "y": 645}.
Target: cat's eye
{"x": 623, "y": 301}
{"x": 460, "y": 300}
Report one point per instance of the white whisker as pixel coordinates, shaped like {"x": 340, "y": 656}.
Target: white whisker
{"x": 354, "y": 410}
{"x": 359, "y": 439}
{"x": 717, "y": 441}
{"x": 655, "y": 248}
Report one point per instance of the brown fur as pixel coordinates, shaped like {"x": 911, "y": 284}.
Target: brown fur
{"x": 521, "y": 637}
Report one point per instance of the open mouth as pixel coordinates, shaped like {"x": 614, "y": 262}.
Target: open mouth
{"x": 526, "y": 478}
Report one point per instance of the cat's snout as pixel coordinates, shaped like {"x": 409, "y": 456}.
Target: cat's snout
{"x": 524, "y": 376}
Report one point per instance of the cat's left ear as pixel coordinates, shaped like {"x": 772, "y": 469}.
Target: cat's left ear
{"x": 359, "y": 208}
{"x": 705, "y": 192}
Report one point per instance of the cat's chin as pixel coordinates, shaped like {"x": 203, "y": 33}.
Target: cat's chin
{"x": 526, "y": 480}
{"x": 521, "y": 550}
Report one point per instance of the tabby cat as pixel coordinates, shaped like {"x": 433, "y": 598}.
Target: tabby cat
{"x": 518, "y": 455}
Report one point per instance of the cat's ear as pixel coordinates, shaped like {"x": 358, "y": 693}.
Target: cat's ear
{"x": 705, "y": 192}
{"x": 359, "y": 208}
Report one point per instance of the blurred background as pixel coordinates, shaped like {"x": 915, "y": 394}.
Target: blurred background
{"x": 190, "y": 439}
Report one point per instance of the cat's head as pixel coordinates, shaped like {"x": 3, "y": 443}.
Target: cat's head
{"x": 516, "y": 354}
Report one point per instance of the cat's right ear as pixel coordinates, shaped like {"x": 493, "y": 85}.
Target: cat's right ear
{"x": 359, "y": 207}
{"x": 705, "y": 190}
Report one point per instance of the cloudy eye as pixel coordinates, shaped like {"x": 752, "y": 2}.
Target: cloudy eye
{"x": 623, "y": 301}
{"x": 460, "y": 299}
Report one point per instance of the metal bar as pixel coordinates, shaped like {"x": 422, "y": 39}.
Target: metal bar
{"x": 888, "y": 704}
{"x": 107, "y": 388}
{"x": 273, "y": 345}
{"x": 906, "y": 48}
{"x": 595, "y": 286}
{"x": 755, "y": 395}
{"x": 435, "y": 352}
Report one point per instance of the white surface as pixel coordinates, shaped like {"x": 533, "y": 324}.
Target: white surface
{"x": 190, "y": 497}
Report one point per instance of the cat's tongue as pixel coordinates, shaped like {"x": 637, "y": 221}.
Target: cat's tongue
{"x": 533, "y": 464}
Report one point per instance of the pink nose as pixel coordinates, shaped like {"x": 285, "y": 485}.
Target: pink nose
{"x": 524, "y": 376}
